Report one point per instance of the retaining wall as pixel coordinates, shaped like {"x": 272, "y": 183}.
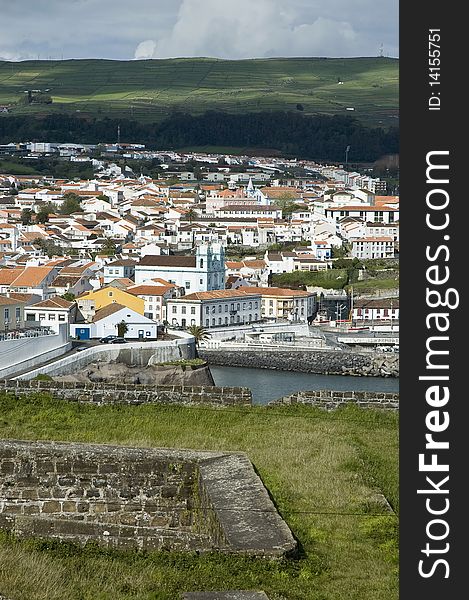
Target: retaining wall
{"x": 127, "y": 393}
{"x": 29, "y": 352}
{"x": 331, "y": 399}
{"x": 136, "y": 353}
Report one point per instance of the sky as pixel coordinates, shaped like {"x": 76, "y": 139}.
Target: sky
{"x": 230, "y": 29}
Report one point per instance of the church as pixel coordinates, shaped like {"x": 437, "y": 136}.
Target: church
{"x": 200, "y": 272}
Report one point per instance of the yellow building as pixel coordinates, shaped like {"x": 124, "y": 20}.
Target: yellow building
{"x": 90, "y": 302}
{"x": 283, "y": 303}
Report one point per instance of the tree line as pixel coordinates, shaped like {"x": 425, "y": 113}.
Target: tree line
{"x": 293, "y": 134}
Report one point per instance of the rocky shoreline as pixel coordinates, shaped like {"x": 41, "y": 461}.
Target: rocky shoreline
{"x": 104, "y": 372}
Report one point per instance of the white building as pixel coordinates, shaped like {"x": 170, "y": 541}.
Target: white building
{"x": 155, "y": 298}
{"x": 202, "y": 272}
{"x": 105, "y": 323}
{"x": 375, "y": 214}
{"x": 51, "y": 313}
{"x": 372, "y": 247}
{"x": 119, "y": 269}
{"x": 379, "y": 309}
{"x": 216, "y": 308}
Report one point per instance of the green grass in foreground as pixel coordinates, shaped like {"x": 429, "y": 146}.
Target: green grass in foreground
{"x": 324, "y": 471}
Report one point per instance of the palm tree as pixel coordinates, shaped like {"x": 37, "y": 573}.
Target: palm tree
{"x": 122, "y": 328}
{"x": 190, "y": 215}
{"x": 199, "y": 332}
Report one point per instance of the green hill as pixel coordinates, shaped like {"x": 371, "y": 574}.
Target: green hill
{"x": 150, "y": 90}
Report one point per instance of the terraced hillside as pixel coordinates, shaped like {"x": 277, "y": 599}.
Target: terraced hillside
{"x": 150, "y": 90}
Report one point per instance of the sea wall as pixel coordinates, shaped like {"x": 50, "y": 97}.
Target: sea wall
{"x": 321, "y": 362}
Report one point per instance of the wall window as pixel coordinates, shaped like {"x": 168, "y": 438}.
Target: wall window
{"x": 42, "y": 316}
{"x": 192, "y": 310}
{"x": 51, "y": 317}
{"x": 18, "y": 313}
{"x": 238, "y": 305}
{"x": 226, "y": 320}
{"x": 213, "y": 322}
{"x": 207, "y": 309}
{"x": 187, "y": 285}
{"x": 183, "y": 310}
{"x": 174, "y": 309}
{"x": 207, "y": 322}
{"x": 250, "y": 305}
{"x": 7, "y": 313}
{"x": 219, "y": 320}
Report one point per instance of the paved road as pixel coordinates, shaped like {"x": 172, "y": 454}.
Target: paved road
{"x": 73, "y": 350}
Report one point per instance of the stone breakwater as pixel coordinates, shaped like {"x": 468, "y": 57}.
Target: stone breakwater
{"x": 139, "y": 498}
{"x": 325, "y": 362}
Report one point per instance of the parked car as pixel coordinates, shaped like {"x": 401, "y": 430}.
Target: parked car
{"x": 118, "y": 340}
{"x": 107, "y": 339}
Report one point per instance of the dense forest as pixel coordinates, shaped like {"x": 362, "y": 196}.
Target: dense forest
{"x": 292, "y": 134}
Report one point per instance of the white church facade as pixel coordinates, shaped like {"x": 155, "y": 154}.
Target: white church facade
{"x": 202, "y": 272}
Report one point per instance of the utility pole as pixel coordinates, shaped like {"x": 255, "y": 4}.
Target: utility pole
{"x": 346, "y": 156}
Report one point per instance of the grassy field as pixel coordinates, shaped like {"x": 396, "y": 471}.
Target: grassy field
{"x": 149, "y": 90}
{"x": 331, "y": 279}
{"x": 325, "y": 471}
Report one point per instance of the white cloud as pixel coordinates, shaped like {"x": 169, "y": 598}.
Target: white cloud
{"x": 262, "y": 28}
{"x": 220, "y": 28}
{"x": 145, "y": 49}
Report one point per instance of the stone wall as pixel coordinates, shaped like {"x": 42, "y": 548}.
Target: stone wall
{"x": 138, "y": 498}
{"x": 322, "y": 362}
{"x": 331, "y": 399}
{"x": 127, "y": 393}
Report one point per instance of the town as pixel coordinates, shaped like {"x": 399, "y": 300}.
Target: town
{"x": 211, "y": 243}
